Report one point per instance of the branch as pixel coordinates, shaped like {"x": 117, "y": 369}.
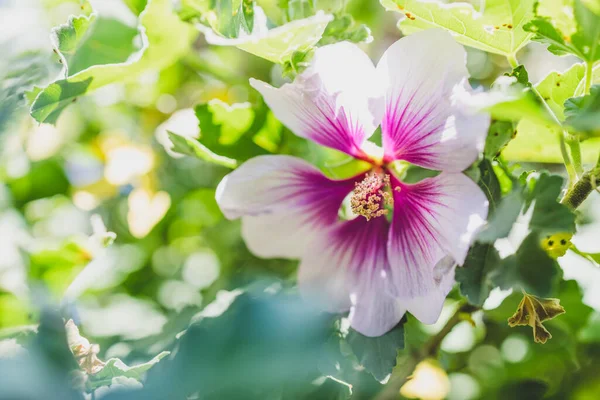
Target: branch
{"x": 433, "y": 345}
{"x": 582, "y": 188}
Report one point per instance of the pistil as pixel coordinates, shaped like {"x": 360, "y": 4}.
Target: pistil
{"x": 371, "y": 195}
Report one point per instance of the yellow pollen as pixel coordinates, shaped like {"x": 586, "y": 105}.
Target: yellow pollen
{"x": 371, "y": 195}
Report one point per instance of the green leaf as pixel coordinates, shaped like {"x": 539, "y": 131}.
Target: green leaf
{"x": 115, "y": 368}
{"x": 136, "y": 6}
{"x": 278, "y": 44}
{"x": 530, "y": 268}
{"x": 571, "y": 298}
{"x": 583, "y": 113}
{"x": 474, "y": 276}
{"x": 22, "y": 72}
{"x": 498, "y": 29}
{"x": 511, "y": 99}
{"x": 229, "y": 18}
{"x": 165, "y": 39}
{"x": 559, "y": 13}
{"x": 51, "y": 101}
{"x": 230, "y": 131}
{"x": 50, "y": 344}
{"x": 556, "y": 88}
{"x": 503, "y": 210}
{"x": 344, "y": 28}
{"x": 14, "y": 314}
{"x": 297, "y": 9}
{"x": 590, "y": 333}
{"x": 500, "y": 133}
{"x": 521, "y": 74}
{"x": 68, "y": 37}
{"x": 378, "y": 354}
{"x": 546, "y": 33}
{"x": 587, "y": 37}
{"x": 549, "y": 216}
{"x": 539, "y": 142}
{"x": 57, "y": 267}
{"x": 503, "y": 217}
{"x": 192, "y": 147}
{"x": 593, "y": 5}
{"x": 246, "y": 345}
{"x": 537, "y": 139}
{"x": 488, "y": 182}
{"x": 109, "y": 42}
{"x": 565, "y": 36}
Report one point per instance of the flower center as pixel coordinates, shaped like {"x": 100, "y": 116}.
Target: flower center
{"x": 371, "y": 195}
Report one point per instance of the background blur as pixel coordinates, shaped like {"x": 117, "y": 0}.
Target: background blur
{"x": 109, "y": 155}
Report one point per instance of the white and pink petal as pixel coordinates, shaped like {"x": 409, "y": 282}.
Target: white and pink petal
{"x": 433, "y": 218}
{"x": 336, "y": 102}
{"x": 349, "y": 269}
{"x": 283, "y": 201}
{"x": 424, "y": 122}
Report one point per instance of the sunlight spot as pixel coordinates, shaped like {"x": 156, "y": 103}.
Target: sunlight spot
{"x": 123, "y": 316}
{"x": 43, "y": 142}
{"x": 460, "y": 339}
{"x": 166, "y": 103}
{"x": 125, "y": 163}
{"x": 463, "y": 387}
{"x": 428, "y": 382}
{"x": 201, "y": 269}
{"x": 85, "y": 200}
{"x": 146, "y": 210}
{"x": 514, "y": 348}
{"x": 177, "y": 295}
{"x": 496, "y": 298}
{"x": 9, "y": 348}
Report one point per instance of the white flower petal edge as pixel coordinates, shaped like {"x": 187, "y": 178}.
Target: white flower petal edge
{"x": 336, "y": 102}
{"x": 424, "y": 123}
{"x": 428, "y": 308}
{"x": 433, "y": 218}
{"x": 283, "y": 202}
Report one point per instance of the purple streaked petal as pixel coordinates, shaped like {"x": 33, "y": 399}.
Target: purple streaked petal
{"x": 336, "y": 101}
{"x": 424, "y": 122}
{"x": 348, "y": 268}
{"x": 433, "y": 218}
{"x": 283, "y": 201}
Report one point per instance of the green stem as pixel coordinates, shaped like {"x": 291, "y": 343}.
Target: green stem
{"x": 583, "y": 187}
{"x": 588, "y": 77}
{"x": 573, "y": 161}
{"x": 569, "y": 165}
{"x": 432, "y": 347}
{"x": 512, "y": 60}
{"x": 567, "y": 160}
{"x": 574, "y": 146}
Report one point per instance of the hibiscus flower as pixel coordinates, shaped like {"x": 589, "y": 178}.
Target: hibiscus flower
{"x": 398, "y": 250}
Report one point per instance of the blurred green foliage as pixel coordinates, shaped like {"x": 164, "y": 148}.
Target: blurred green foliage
{"x": 146, "y": 119}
